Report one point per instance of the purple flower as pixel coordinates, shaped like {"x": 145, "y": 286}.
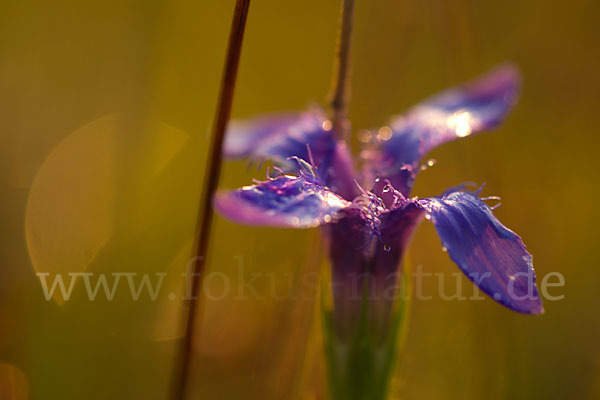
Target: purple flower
{"x": 367, "y": 227}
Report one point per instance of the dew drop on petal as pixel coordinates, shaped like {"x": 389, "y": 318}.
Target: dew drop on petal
{"x": 387, "y": 247}
{"x": 386, "y": 188}
{"x": 461, "y": 122}
{"x": 427, "y": 217}
{"x": 444, "y": 248}
{"x": 327, "y": 218}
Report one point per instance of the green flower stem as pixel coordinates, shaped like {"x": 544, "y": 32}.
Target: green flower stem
{"x": 360, "y": 365}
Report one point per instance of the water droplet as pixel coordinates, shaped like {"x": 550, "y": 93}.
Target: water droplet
{"x": 427, "y": 217}
{"x": 384, "y": 133}
{"x": 431, "y": 163}
{"x": 444, "y": 248}
{"x": 327, "y": 218}
{"x": 327, "y": 125}
{"x": 386, "y": 188}
{"x": 460, "y": 122}
{"x": 387, "y": 247}
{"x": 497, "y": 296}
{"x": 377, "y": 180}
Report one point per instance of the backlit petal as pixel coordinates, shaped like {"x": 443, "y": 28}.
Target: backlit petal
{"x": 455, "y": 113}
{"x": 285, "y": 201}
{"x": 280, "y": 136}
{"x": 488, "y": 253}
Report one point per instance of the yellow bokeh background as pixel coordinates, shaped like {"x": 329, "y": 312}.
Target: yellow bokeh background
{"x": 105, "y": 111}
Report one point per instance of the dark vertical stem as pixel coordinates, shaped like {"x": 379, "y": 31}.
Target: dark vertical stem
{"x": 211, "y": 179}
{"x": 340, "y": 94}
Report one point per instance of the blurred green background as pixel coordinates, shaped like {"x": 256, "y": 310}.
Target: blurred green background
{"x": 105, "y": 109}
